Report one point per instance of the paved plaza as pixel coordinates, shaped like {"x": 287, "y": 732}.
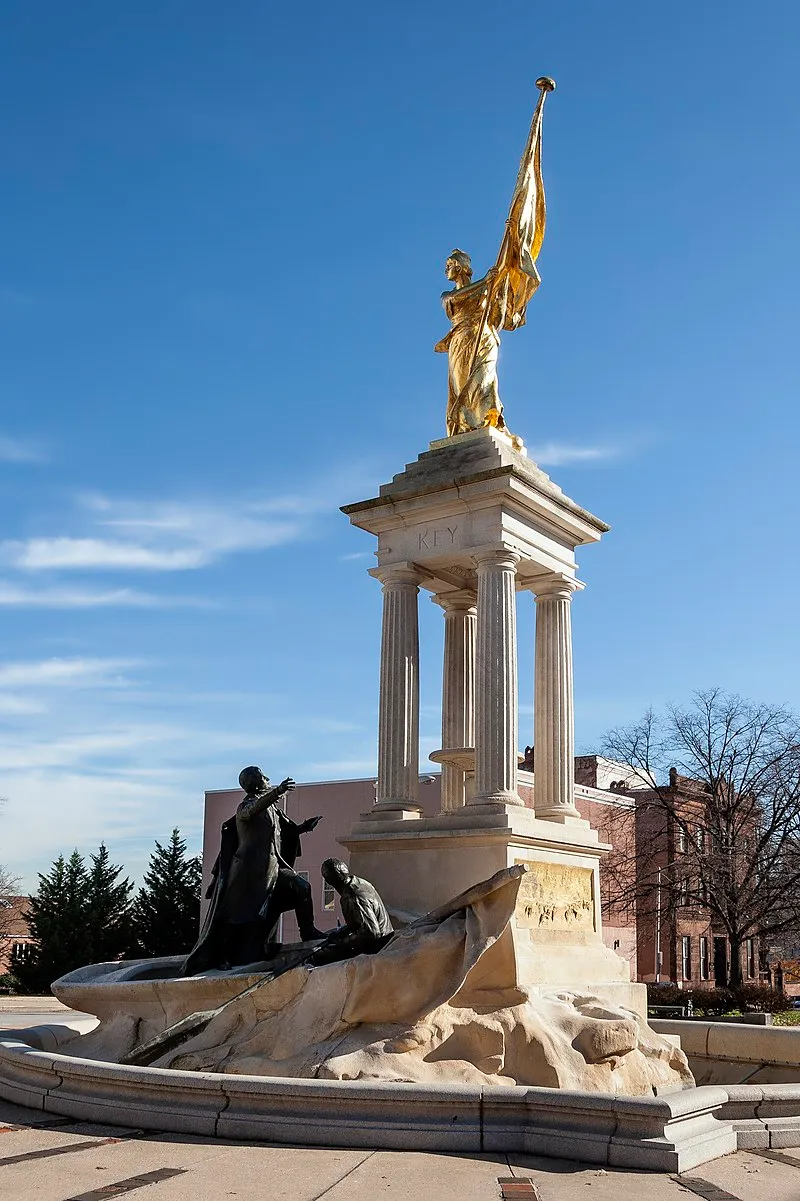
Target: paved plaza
{"x": 43, "y": 1158}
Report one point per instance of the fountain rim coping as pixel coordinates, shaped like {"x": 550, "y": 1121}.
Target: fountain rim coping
{"x": 672, "y": 1132}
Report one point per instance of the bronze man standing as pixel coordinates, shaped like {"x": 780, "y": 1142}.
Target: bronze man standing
{"x": 254, "y": 880}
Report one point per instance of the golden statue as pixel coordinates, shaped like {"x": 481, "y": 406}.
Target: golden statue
{"x": 479, "y": 310}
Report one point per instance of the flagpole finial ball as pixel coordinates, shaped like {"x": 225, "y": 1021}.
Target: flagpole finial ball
{"x": 546, "y": 83}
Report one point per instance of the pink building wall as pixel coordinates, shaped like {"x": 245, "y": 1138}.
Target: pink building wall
{"x": 341, "y": 802}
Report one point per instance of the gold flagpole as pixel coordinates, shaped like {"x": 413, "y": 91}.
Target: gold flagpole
{"x": 545, "y": 85}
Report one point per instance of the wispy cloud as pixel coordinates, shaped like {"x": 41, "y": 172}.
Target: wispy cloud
{"x": 79, "y": 750}
{"x": 166, "y": 536}
{"x": 18, "y": 706}
{"x": 562, "y": 454}
{"x": 359, "y": 554}
{"x": 22, "y": 597}
{"x": 19, "y": 450}
{"x": 76, "y": 672}
{"x": 341, "y": 768}
{"x": 107, "y": 555}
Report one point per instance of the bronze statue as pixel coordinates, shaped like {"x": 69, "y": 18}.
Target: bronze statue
{"x": 479, "y": 310}
{"x": 367, "y": 925}
{"x": 253, "y": 880}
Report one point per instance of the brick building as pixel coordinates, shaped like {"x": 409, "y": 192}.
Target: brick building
{"x": 678, "y": 939}
{"x": 15, "y": 934}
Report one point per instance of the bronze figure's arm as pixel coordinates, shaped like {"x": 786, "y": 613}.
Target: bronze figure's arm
{"x": 252, "y": 806}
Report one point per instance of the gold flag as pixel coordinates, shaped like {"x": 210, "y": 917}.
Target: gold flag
{"x": 516, "y": 277}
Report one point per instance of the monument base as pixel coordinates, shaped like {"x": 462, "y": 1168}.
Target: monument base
{"x": 554, "y": 941}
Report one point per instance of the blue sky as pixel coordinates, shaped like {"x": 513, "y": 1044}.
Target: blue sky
{"x": 223, "y": 235}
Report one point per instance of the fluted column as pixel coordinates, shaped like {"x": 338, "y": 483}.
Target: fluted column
{"x": 496, "y": 700}
{"x": 554, "y": 718}
{"x": 458, "y": 688}
{"x": 398, "y": 718}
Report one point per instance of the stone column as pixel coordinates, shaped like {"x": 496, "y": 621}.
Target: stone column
{"x": 496, "y": 701}
{"x": 398, "y": 717}
{"x": 554, "y": 718}
{"x": 458, "y": 688}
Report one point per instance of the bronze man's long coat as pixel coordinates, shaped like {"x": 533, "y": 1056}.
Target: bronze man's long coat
{"x": 254, "y": 845}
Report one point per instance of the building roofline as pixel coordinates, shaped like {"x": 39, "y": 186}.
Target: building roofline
{"x": 317, "y": 783}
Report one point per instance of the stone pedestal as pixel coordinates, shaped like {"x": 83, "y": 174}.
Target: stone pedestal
{"x": 474, "y": 522}
{"x": 555, "y": 942}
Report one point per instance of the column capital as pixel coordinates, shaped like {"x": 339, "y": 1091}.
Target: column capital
{"x": 556, "y": 588}
{"x": 496, "y": 556}
{"x": 398, "y": 575}
{"x": 462, "y": 601}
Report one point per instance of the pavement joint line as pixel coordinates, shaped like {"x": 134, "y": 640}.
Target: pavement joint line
{"x": 704, "y": 1188}
{"x": 50, "y": 1152}
{"x": 777, "y": 1156}
{"x": 330, "y": 1187}
{"x": 128, "y": 1185}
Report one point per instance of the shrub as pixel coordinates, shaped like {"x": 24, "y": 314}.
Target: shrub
{"x": 713, "y": 1002}
{"x": 666, "y": 994}
{"x": 759, "y": 998}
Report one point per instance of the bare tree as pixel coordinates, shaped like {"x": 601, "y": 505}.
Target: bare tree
{"x": 8, "y": 914}
{"x": 9, "y": 884}
{"x": 717, "y": 825}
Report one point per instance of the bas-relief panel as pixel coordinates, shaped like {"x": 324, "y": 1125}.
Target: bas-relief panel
{"x": 555, "y": 897}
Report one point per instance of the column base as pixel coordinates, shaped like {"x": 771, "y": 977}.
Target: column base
{"x": 497, "y": 800}
{"x": 562, "y": 815}
{"x": 393, "y": 811}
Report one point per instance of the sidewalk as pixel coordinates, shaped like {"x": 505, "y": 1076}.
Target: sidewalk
{"x": 43, "y": 1158}
{"x": 17, "y": 1004}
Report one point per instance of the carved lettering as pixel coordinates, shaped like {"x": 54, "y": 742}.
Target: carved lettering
{"x": 432, "y": 539}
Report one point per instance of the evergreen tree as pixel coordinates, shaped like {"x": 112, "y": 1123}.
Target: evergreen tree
{"x": 166, "y": 912}
{"x": 108, "y": 910}
{"x": 58, "y": 923}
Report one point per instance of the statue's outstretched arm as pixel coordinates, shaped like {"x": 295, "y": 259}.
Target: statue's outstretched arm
{"x": 252, "y": 806}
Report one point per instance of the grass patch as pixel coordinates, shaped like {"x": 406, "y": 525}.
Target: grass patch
{"x": 790, "y": 1017}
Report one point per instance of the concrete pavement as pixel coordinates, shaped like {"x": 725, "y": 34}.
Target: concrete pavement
{"x": 50, "y": 1159}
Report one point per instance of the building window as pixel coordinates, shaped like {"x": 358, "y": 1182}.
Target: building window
{"x": 328, "y": 896}
{"x": 683, "y": 891}
{"x": 686, "y": 957}
{"x": 751, "y": 958}
{"x": 704, "y": 964}
{"x": 681, "y": 837}
{"x": 700, "y": 839}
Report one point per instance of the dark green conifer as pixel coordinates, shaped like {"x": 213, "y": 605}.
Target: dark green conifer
{"x": 166, "y": 912}
{"x": 108, "y": 909}
{"x": 58, "y": 923}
